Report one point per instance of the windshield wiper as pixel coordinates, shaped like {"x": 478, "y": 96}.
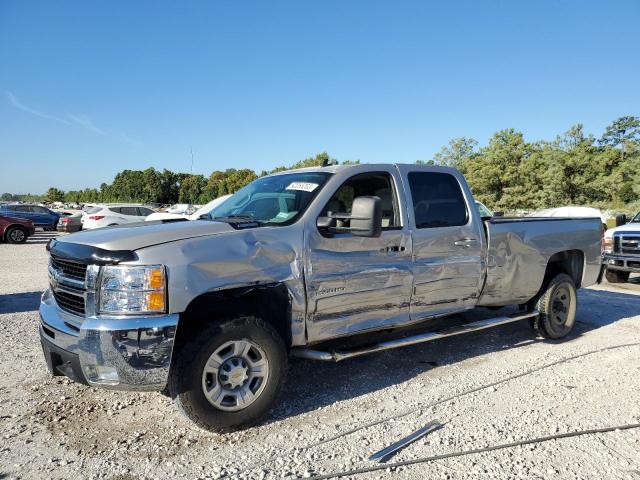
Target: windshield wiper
{"x": 238, "y": 220}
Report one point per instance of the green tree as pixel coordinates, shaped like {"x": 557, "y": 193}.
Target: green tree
{"x": 191, "y": 187}
{"x": 54, "y": 195}
{"x": 622, "y": 131}
{"x": 456, "y": 153}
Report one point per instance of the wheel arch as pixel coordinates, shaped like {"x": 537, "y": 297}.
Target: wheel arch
{"x": 570, "y": 262}
{"x": 271, "y": 302}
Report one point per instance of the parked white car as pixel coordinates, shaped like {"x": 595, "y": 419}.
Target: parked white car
{"x": 180, "y": 209}
{"x": 108, "y": 215}
{"x": 194, "y": 216}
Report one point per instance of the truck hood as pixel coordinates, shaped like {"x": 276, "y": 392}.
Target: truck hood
{"x": 134, "y": 236}
{"x": 629, "y": 227}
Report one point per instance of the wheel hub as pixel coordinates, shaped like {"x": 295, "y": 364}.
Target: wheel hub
{"x": 560, "y": 305}
{"x": 234, "y": 373}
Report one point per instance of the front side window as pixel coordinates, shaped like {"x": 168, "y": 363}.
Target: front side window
{"x": 273, "y": 200}
{"x": 133, "y": 211}
{"x": 144, "y": 211}
{"x": 40, "y": 210}
{"x": 437, "y": 200}
{"x": 376, "y": 184}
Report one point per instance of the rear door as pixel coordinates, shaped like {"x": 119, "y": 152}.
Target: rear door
{"x": 448, "y": 241}
{"x": 24, "y": 211}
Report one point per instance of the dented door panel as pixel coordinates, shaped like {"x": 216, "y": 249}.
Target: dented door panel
{"x": 356, "y": 284}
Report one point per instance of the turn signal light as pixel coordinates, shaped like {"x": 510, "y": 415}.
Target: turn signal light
{"x": 155, "y": 301}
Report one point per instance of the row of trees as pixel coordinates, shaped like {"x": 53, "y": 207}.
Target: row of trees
{"x": 153, "y": 186}
{"x": 573, "y": 169}
{"x": 508, "y": 173}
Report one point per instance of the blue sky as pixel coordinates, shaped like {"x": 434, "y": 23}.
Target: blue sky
{"x": 90, "y": 88}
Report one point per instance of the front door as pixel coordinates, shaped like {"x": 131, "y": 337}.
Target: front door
{"x": 355, "y": 283}
{"x": 448, "y": 242}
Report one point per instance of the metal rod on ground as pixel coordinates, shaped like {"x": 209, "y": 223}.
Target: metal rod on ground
{"x": 520, "y": 443}
{"x": 383, "y": 455}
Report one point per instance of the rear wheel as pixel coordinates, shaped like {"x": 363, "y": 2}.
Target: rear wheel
{"x": 616, "y": 276}
{"x": 16, "y": 235}
{"x": 557, "y": 306}
{"x": 229, "y": 376}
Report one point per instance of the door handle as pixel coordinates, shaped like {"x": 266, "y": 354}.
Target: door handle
{"x": 466, "y": 242}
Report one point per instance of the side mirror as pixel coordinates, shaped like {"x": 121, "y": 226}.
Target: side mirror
{"x": 365, "y": 219}
{"x": 325, "y": 222}
{"x": 621, "y": 219}
{"x": 204, "y": 216}
{"x": 366, "y": 216}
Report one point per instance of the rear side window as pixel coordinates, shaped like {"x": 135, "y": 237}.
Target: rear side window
{"x": 23, "y": 208}
{"x": 437, "y": 200}
{"x": 93, "y": 210}
{"x": 116, "y": 209}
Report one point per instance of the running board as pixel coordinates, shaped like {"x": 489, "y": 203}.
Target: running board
{"x": 336, "y": 356}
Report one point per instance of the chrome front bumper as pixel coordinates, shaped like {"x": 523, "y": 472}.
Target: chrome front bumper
{"x": 124, "y": 353}
{"x": 622, "y": 263}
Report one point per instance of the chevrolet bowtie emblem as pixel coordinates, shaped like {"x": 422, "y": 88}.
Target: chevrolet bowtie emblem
{"x": 54, "y": 280}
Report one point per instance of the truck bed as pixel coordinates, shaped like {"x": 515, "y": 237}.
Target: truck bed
{"x": 519, "y": 249}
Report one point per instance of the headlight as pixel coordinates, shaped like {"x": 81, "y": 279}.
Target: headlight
{"x": 133, "y": 289}
{"x": 607, "y": 244}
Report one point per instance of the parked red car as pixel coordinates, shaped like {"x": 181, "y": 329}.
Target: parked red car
{"x": 15, "y": 230}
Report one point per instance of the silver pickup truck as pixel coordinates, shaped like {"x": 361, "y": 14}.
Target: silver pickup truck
{"x": 321, "y": 263}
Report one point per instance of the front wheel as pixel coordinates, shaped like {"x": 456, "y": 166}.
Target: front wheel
{"x": 616, "y": 276}
{"x": 557, "y": 306}
{"x": 230, "y": 375}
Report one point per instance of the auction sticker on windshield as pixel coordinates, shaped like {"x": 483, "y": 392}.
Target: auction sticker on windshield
{"x": 304, "y": 186}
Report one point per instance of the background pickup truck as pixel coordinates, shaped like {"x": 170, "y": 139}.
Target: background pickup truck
{"x": 321, "y": 263}
{"x": 622, "y": 249}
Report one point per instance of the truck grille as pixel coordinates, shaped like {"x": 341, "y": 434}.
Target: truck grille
{"x": 69, "y": 302}
{"x": 70, "y": 269}
{"x": 630, "y": 244}
{"x": 67, "y": 282}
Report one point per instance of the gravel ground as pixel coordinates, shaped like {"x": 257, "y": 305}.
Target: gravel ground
{"x": 53, "y": 428}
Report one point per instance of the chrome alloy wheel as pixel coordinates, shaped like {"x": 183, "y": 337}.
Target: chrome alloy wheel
{"x": 235, "y": 375}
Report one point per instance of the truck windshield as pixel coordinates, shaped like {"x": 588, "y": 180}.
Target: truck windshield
{"x": 636, "y": 219}
{"x": 273, "y": 200}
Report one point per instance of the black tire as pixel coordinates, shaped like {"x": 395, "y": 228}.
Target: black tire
{"x": 186, "y": 382}
{"x": 616, "y": 276}
{"x": 557, "y": 305}
{"x": 16, "y": 235}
